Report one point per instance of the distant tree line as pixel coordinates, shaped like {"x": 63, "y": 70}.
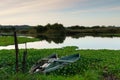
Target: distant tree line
{"x": 11, "y": 28}
{"x": 58, "y": 29}
{"x": 93, "y": 29}
{"x": 50, "y": 29}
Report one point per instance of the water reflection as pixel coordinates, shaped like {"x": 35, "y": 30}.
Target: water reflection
{"x": 60, "y": 38}
{"x": 87, "y": 42}
{"x": 55, "y": 38}
{"x": 79, "y": 35}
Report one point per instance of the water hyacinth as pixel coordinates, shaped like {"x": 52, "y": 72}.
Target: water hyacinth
{"x": 82, "y": 65}
{"x": 92, "y": 62}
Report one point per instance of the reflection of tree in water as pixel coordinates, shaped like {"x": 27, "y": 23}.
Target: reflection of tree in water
{"x": 54, "y": 32}
{"x": 81, "y": 35}
{"x": 59, "y": 38}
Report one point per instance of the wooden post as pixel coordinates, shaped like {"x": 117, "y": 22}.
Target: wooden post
{"x": 24, "y": 58}
{"x": 16, "y": 50}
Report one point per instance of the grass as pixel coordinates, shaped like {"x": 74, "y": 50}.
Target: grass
{"x": 92, "y": 65}
{"x": 9, "y": 40}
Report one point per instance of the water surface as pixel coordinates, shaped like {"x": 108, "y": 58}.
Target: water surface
{"x": 87, "y": 42}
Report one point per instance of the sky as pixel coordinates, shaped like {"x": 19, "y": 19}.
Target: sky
{"x": 66, "y": 12}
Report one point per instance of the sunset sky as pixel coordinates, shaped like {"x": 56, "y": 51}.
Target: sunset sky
{"x": 67, "y": 12}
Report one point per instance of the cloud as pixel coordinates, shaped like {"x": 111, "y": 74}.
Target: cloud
{"x": 9, "y": 7}
{"x": 107, "y": 9}
{"x": 45, "y": 11}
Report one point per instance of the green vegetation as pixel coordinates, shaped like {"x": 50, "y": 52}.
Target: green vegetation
{"x": 92, "y": 65}
{"x": 9, "y": 40}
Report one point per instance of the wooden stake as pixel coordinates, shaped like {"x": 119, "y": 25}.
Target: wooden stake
{"x": 16, "y": 50}
{"x": 24, "y": 58}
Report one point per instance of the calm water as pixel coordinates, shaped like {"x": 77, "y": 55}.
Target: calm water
{"x": 87, "y": 42}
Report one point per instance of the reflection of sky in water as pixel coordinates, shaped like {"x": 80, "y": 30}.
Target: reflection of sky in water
{"x": 82, "y": 43}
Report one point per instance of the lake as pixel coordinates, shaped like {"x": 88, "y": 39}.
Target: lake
{"x": 87, "y": 42}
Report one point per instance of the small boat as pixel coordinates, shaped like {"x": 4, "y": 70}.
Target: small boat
{"x": 52, "y": 63}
